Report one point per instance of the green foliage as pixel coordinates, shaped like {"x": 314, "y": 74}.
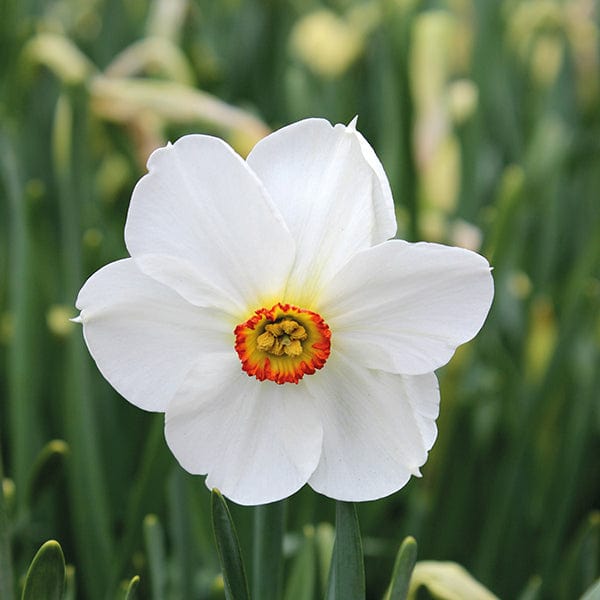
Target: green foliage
{"x": 45, "y": 578}
{"x": 485, "y": 115}
{"x": 228, "y": 548}
{"x": 403, "y": 568}
{"x": 267, "y": 551}
{"x": 347, "y": 573}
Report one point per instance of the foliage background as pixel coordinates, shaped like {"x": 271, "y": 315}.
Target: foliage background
{"x": 486, "y": 117}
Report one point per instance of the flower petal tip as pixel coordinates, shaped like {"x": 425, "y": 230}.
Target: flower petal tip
{"x": 76, "y": 319}
{"x": 352, "y": 125}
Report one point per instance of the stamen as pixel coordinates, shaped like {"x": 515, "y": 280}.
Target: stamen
{"x": 283, "y": 343}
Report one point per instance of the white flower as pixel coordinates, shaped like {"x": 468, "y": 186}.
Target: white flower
{"x": 264, "y": 312}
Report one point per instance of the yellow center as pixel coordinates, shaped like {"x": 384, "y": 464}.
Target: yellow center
{"x": 282, "y": 343}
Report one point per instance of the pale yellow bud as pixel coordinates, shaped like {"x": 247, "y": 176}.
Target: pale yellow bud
{"x": 58, "y": 319}
{"x": 463, "y": 97}
{"x": 326, "y": 43}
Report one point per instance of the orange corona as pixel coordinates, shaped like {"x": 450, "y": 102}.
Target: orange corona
{"x": 283, "y": 343}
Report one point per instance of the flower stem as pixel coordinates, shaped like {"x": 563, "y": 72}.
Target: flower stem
{"x": 267, "y": 572}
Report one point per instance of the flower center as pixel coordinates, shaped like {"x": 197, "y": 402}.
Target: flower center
{"x": 282, "y": 343}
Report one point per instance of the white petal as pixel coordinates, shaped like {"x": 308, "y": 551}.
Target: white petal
{"x": 258, "y": 441}
{"x": 201, "y": 203}
{"x": 332, "y": 192}
{"x": 384, "y": 202}
{"x": 377, "y": 429}
{"x": 405, "y": 308}
{"x": 143, "y": 336}
{"x": 189, "y": 282}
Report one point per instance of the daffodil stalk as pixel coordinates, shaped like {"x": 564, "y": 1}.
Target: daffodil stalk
{"x": 267, "y": 555}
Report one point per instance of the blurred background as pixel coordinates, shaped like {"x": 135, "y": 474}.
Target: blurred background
{"x": 486, "y": 115}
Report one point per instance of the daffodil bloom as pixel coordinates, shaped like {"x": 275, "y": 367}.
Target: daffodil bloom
{"x": 266, "y": 311}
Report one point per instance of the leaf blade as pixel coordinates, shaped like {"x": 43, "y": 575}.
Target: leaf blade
{"x": 347, "y": 574}
{"x": 45, "y": 579}
{"x": 228, "y": 549}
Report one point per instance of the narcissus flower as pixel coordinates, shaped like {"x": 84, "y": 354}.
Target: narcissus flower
{"x": 266, "y": 311}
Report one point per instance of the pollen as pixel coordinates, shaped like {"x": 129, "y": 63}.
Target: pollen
{"x": 283, "y": 343}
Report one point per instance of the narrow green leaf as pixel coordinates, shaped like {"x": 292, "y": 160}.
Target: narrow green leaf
{"x": 86, "y": 479}
{"x": 301, "y": 581}
{"x": 181, "y": 533}
{"x": 153, "y": 467}
{"x": 131, "y": 593}
{"x": 228, "y": 549}
{"x": 128, "y": 589}
{"x": 324, "y": 539}
{"x": 582, "y": 561}
{"x": 22, "y": 398}
{"x": 533, "y": 589}
{"x": 70, "y": 587}
{"x": 6, "y": 574}
{"x": 45, "y": 578}
{"x": 155, "y": 549}
{"x": 592, "y": 593}
{"x": 403, "y": 568}
{"x": 48, "y": 464}
{"x": 267, "y": 572}
{"x": 347, "y": 574}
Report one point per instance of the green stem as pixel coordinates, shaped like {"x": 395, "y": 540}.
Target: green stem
{"x": 269, "y": 528}
{"x": 6, "y": 574}
{"x": 87, "y": 487}
{"x": 21, "y": 406}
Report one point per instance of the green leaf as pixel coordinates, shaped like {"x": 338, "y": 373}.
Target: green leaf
{"x": 325, "y": 539}
{"x": 269, "y": 527}
{"x": 181, "y": 533}
{"x": 6, "y": 573}
{"x": 403, "y": 568}
{"x": 70, "y": 587}
{"x": 347, "y": 574}
{"x": 228, "y": 549}
{"x": 533, "y": 589}
{"x": 580, "y": 569}
{"x": 592, "y": 593}
{"x": 47, "y": 467}
{"x": 131, "y": 592}
{"x": 301, "y": 581}
{"x": 128, "y": 590}
{"x": 155, "y": 549}
{"x": 153, "y": 467}
{"x": 45, "y": 578}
